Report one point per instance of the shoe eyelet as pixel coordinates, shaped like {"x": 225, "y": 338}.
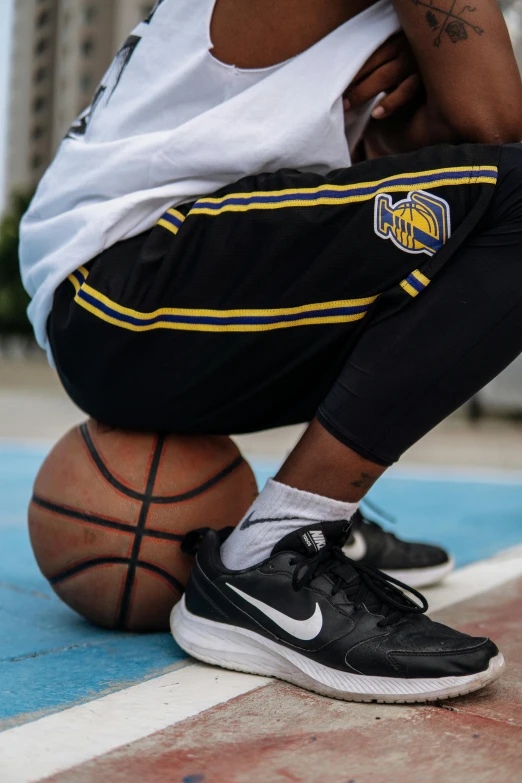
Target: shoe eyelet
{"x": 291, "y": 562}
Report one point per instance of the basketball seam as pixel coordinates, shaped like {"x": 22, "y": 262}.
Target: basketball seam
{"x": 102, "y": 467}
{"x": 158, "y": 499}
{"x": 100, "y": 561}
{"x": 138, "y": 536}
{"x": 153, "y": 568}
{"x": 102, "y": 521}
{"x": 85, "y": 565}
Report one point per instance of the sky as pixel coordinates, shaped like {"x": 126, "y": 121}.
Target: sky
{"x": 6, "y": 7}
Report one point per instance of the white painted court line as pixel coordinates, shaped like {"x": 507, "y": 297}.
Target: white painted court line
{"x": 475, "y": 579}
{"x": 62, "y": 741}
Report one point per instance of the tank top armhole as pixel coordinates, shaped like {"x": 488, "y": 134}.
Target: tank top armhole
{"x": 228, "y": 66}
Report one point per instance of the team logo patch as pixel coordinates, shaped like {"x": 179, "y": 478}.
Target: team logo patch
{"x": 420, "y": 223}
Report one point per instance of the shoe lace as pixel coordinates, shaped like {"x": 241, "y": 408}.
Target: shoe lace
{"x": 379, "y": 592}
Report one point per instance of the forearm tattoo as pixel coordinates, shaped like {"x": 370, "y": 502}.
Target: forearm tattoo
{"x": 452, "y": 21}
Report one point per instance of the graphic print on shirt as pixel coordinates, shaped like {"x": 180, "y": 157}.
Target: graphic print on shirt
{"x": 106, "y": 89}
{"x": 148, "y": 20}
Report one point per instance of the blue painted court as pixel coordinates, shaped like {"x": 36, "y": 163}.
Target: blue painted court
{"x": 52, "y": 659}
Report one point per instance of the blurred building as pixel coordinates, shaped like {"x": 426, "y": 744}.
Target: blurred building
{"x": 513, "y": 15}
{"x": 61, "y": 50}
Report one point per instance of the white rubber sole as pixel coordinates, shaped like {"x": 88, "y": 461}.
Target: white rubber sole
{"x": 424, "y": 577}
{"x": 246, "y": 651}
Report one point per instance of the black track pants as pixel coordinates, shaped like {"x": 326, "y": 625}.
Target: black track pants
{"x": 379, "y": 297}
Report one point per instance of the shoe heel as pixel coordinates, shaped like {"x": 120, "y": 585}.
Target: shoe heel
{"x": 223, "y": 645}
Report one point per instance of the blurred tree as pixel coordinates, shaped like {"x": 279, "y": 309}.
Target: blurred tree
{"x": 13, "y": 298}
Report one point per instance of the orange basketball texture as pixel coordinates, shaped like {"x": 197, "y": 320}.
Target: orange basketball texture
{"x": 109, "y": 511}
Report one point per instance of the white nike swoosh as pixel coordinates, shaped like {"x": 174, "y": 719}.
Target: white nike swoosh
{"x": 357, "y": 547}
{"x": 305, "y": 630}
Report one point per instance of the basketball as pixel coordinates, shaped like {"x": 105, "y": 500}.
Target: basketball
{"x": 110, "y": 509}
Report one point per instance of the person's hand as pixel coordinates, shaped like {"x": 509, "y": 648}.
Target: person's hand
{"x": 391, "y": 69}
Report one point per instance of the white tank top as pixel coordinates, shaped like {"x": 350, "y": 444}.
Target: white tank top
{"x": 170, "y": 124}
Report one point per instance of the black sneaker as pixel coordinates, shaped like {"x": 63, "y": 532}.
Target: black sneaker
{"x": 310, "y": 616}
{"x": 419, "y": 565}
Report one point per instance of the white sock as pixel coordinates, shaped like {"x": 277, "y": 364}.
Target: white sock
{"x": 277, "y": 511}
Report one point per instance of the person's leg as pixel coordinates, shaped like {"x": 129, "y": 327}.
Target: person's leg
{"x": 322, "y": 464}
{"x": 279, "y": 597}
{"x": 411, "y": 367}
{"x": 408, "y": 372}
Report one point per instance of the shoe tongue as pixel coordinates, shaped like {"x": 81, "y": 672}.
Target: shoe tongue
{"x": 311, "y": 539}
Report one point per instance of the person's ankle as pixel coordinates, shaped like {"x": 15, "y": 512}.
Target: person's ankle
{"x": 322, "y": 465}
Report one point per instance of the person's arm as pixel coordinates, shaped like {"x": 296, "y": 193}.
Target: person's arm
{"x": 261, "y": 33}
{"x": 392, "y": 70}
{"x": 473, "y": 90}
